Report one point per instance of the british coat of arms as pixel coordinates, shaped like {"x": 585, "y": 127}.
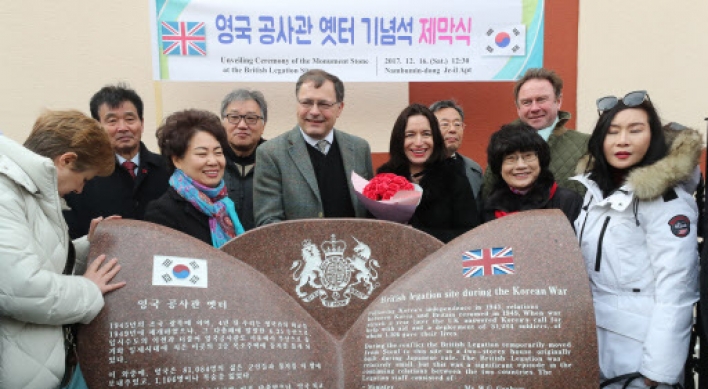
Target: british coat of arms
{"x": 335, "y": 278}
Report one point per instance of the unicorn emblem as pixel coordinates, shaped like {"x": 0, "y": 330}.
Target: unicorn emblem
{"x": 365, "y": 265}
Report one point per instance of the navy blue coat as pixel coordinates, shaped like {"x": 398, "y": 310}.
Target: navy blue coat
{"x": 117, "y": 194}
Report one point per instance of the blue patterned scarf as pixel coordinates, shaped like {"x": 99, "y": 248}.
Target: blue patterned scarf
{"x": 213, "y": 202}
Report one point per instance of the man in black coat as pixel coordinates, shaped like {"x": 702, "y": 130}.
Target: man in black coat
{"x": 140, "y": 175}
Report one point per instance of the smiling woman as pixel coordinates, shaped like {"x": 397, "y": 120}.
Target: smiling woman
{"x": 196, "y": 203}
{"x": 447, "y": 208}
{"x": 518, "y": 155}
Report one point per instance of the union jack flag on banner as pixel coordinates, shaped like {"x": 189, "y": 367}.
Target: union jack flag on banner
{"x": 183, "y": 38}
{"x": 485, "y": 262}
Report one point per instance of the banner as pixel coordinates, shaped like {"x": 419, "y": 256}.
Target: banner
{"x": 389, "y": 41}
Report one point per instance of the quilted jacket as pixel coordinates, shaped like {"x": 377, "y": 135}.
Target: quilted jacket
{"x": 639, "y": 245}
{"x": 35, "y": 298}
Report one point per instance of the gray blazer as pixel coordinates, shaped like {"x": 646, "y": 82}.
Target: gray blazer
{"x": 474, "y": 175}
{"x": 284, "y": 184}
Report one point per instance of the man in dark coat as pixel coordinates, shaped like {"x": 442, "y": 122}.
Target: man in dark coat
{"x": 140, "y": 175}
{"x": 244, "y": 114}
{"x": 451, "y": 118}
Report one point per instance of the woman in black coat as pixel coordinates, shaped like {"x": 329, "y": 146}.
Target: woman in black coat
{"x": 417, "y": 152}
{"x": 518, "y": 155}
{"x": 196, "y": 202}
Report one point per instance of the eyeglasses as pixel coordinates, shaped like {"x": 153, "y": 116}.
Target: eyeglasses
{"x": 527, "y": 157}
{"x": 321, "y": 105}
{"x": 249, "y": 119}
{"x": 457, "y": 125}
{"x": 631, "y": 99}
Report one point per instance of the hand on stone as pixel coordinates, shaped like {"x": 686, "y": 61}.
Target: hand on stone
{"x": 94, "y": 223}
{"x": 102, "y": 275}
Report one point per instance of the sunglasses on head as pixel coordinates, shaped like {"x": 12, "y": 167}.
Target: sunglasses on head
{"x": 631, "y": 99}
{"x": 676, "y": 126}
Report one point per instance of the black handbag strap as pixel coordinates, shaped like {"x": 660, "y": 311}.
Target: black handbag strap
{"x": 69, "y": 330}
{"x": 70, "y": 260}
{"x": 629, "y": 378}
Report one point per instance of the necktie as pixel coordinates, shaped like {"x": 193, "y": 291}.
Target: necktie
{"x": 322, "y": 146}
{"x": 130, "y": 167}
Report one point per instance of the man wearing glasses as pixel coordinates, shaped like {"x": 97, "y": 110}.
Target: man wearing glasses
{"x": 451, "y": 118}
{"x": 244, "y": 114}
{"x": 538, "y": 96}
{"x": 305, "y": 173}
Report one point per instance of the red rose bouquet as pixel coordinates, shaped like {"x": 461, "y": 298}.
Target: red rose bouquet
{"x": 385, "y": 185}
{"x": 388, "y": 196}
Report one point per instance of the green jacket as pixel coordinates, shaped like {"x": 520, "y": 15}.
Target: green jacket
{"x": 567, "y": 147}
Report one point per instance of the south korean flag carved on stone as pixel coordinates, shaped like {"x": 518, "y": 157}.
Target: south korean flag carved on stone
{"x": 179, "y": 271}
{"x": 680, "y": 226}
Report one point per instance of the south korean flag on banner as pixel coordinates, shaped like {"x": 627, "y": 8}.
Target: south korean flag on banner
{"x": 505, "y": 41}
{"x": 179, "y": 271}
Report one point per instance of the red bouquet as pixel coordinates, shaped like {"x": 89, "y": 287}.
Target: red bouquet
{"x": 388, "y": 196}
{"x": 383, "y": 186}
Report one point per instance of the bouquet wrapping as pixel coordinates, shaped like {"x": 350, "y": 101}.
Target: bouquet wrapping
{"x": 388, "y": 196}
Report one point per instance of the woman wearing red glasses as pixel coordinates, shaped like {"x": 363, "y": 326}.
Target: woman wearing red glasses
{"x": 637, "y": 233}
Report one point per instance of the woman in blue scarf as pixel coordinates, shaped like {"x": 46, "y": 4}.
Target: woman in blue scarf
{"x": 196, "y": 203}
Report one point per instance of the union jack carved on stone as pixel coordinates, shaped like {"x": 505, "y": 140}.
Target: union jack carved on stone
{"x": 485, "y": 262}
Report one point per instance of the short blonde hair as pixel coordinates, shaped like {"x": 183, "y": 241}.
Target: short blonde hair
{"x": 58, "y": 132}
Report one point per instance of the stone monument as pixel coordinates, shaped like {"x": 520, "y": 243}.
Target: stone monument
{"x": 333, "y": 265}
{"x": 345, "y": 304}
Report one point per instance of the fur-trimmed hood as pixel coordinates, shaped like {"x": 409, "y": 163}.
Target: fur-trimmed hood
{"x": 678, "y": 167}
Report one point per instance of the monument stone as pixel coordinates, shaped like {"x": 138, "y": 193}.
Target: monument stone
{"x": 345, "y": 304}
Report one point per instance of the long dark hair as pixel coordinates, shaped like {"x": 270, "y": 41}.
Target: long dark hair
{"x": 398, "y": 162}
{"x": 600, "y": 171}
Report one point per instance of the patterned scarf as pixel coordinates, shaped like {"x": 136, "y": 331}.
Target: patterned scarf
{"x": 213, "y": 202}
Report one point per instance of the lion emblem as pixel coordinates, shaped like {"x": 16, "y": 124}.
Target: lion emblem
{"x": 308, "y": 267}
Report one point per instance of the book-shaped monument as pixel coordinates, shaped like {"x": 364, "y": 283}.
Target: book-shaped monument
{"x": 345, "y": 303}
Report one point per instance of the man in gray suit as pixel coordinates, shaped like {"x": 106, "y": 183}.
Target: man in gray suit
{"x": 452, "y": 125}
{"x": 305, "y": 173}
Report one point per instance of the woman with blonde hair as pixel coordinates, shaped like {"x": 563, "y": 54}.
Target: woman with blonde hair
{"x": 41, "y": 289}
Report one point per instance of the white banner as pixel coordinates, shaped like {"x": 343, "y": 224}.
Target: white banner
{"x": 397, "y": 41}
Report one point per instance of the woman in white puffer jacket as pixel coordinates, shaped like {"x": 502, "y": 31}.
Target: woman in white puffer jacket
{"x": 64, "y": 150}
{"x": 637, "y": 233}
